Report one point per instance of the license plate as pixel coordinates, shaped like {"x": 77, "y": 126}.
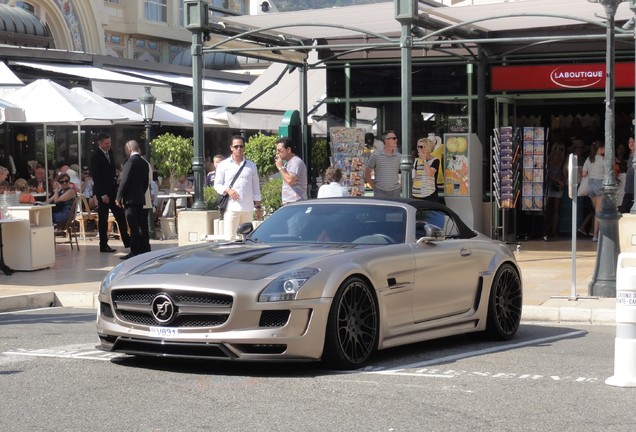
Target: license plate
{"x": 164, "y": 332}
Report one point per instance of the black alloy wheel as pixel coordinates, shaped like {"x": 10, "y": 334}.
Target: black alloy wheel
{"x": 352, "y": 329}
{"x": 504, "y": 304}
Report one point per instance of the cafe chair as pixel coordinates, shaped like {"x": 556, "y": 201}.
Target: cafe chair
{"x": 69, "y": 228}
{"x": 83, "y": 214}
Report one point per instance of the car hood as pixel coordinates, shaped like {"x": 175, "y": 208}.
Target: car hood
{"x": 237, "y": 261}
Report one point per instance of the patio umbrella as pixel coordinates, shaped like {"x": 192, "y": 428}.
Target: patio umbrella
{"x": 46, "y": 102}
{"x": 10, "y": 112}
{"x": 170, "y": 115}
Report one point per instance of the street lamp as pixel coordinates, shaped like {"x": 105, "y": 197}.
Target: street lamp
{"x": 603, "y": 282}
{"x": 147, "y": 105}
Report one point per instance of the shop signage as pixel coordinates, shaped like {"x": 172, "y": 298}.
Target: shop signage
{"x": 559, "y": 77}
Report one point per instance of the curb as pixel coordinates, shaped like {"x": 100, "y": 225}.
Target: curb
{"x": 563, "y": 315}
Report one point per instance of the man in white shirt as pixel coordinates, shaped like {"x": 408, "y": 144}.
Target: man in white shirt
{"x": 244, "y": 193}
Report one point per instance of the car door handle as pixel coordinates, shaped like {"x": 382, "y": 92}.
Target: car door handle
{"x": 465, "y": 252}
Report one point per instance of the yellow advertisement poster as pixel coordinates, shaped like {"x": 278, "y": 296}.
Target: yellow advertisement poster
{"x": 456, "y": 165}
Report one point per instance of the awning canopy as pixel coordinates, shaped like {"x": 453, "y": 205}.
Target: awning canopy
{"x": 375, "y": 33}
{"x": 262, "y": 105}
{"x": 8, "y": 78}
{"x": 215, "y": 92}
{"x": 106, "y": 83}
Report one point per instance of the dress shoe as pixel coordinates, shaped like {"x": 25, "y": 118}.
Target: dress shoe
{"x": 107, "y": 249}
{"x": 125, "y": 257}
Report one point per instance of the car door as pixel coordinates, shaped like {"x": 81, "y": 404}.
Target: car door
{"x": 447, "y": 274}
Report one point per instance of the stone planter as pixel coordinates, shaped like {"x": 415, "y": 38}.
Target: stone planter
{"x": 194, "y": 225}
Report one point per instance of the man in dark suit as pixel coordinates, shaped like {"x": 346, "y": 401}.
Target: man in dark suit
{"x": 105, "y": 187}
{"x": 131, "y": 195}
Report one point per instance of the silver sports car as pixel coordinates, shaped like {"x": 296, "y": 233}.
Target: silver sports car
{"x": 329, "y": 279}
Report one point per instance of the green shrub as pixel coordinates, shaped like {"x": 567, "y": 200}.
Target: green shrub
{"x": 320, "y": 155}
{"x": 209, "y": 197}
{"x": 271, "y": 195}
{"x": 261, "y": 149}
{"x": 172, "y": 155}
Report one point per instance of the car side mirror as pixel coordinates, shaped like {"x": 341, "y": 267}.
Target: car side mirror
{"x": 245, "y": 228}
{"x": 431, "y": 233}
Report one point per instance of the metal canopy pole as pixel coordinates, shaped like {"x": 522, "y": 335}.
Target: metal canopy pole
{"x": 603, "y": 282}
{"x": 196, "y": 18}
{"x": 405, "y": 12}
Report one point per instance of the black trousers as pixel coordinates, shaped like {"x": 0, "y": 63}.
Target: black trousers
{"x": 102, "y": 223}
{"x": 137, "y": 219}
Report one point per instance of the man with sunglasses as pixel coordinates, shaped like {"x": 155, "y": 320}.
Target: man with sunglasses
{"x": 244, "y": 191}
{"x": 386, "y": 164}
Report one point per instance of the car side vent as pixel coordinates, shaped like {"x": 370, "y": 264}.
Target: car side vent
{"x": 274, "y": 318}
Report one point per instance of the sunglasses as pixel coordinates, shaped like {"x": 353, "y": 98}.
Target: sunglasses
{"x": 238, "y": 146}
{"x": 391, "y": 138}
{"x": 63, "y": 181}
{"x": 420, "y": 147}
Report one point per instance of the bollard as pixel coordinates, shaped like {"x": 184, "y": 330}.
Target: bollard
{"x": 625, "y": 342}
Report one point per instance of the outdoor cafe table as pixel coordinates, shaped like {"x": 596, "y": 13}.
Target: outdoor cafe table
{"x": 170, "y": 209}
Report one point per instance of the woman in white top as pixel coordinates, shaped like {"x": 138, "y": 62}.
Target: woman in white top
{"x": 594, "y": 167}
{"x": 332, "y": 187}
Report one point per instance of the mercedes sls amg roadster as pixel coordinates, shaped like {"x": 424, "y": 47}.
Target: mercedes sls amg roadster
{"x": 330, "y": 279}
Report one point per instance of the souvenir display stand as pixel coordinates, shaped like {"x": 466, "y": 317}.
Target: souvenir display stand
{"x": 506, "y": 174}
{"x": 463, "y": 177}
{"x": 348, "y": 153}
{"x": 30, "y": 245}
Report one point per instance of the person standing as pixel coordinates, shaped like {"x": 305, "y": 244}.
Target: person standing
{"x": 244, "y": 191}
{"x": 555, "y": 184}
{"x": 594, "y": 167}
{"x": 104, "y": 188}
{"x": 292, "y": 170}
{"x": 131, "y": 195}
{"x": 386, "y": 164}
{"x": 628, "y": 197}
{"x": 425, "y": 171}
{"x": 216, "y": 160}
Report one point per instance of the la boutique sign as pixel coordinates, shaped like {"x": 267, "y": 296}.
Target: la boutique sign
{"x": 560, "y": 77}
{"x": 569, "y": 77}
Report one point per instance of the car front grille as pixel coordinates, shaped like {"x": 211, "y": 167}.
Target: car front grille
{"x": 183, "y": 308}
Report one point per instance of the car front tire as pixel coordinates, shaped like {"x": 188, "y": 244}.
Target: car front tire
{"x": 352, "y": 327}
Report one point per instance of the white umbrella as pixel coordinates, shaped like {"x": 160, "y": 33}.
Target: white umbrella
{"x": 10, "y": 112}
{"x": 170, "y": 115}
{"x": 128, "y": 115}
{"x": 46, "y": 102}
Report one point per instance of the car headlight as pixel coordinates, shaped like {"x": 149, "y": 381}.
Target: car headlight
{"x": 110, "y": 277}
{"x": 286, "y": 286}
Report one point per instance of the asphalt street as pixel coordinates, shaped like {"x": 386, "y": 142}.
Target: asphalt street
{"x": 549, "y": 378}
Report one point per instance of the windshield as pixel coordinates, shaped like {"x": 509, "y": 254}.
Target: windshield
{"x": 334, "y": 223}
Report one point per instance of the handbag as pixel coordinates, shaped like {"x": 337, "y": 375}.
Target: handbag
{"x": 584, "y": 186}
{"x": 223, "y": 200}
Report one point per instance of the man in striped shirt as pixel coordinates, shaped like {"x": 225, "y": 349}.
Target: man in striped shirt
{"x": 386, "y": 164}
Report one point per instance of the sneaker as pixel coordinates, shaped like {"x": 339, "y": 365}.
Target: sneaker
{"x": 594, "y": 239}
{"x": 583, "y": 233}
{"x": 545, "y": 237}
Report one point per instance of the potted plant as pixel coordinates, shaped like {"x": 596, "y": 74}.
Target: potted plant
{"x": 172, "y": 156}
